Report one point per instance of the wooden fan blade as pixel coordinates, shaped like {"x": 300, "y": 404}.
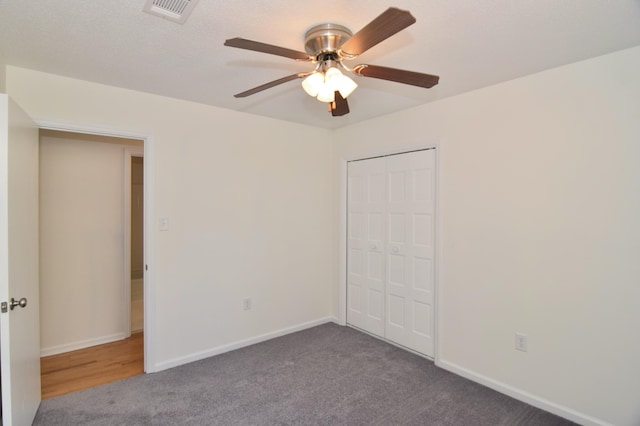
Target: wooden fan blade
{"x": 384, "y": 26}
{"x": 399, "y": 76}
{"x": 270, "y": 85}
{"x": 242, "y": 43}
{"x": 339, "y": 106}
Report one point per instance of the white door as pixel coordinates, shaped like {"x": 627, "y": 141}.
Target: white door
{"x": 391, "y": 248}
{"x": 365, "y": 256}
{"x": 19, "y": 326}
{"x": 411, "y": 249}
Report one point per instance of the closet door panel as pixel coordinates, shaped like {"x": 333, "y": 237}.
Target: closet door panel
{"x": 410, "y": 249}
{"x": 366, "y": 264}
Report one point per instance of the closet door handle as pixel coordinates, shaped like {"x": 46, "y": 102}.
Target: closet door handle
{"x": 395, "y": 249}
{"x": 373, "y": 247}
{"x": 15, "y": 303}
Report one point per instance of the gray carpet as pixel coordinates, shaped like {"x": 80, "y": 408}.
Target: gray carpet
{"x": 327, "y": 375}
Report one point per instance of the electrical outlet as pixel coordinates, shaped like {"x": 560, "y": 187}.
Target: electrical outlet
{"x": 521, "y": 342}
{"x": 246, "y": 303}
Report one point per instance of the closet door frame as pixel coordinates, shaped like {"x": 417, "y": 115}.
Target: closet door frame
{"x": 343, "y": 238}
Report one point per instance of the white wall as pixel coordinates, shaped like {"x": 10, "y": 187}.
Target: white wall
{"x": 249, "y": 203}
{"x": 540, "y": 200}
{"x": 81, "y": 241}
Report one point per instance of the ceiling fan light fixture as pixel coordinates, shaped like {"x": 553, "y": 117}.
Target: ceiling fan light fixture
{"x": 323, "y": 85}
{"x": 339, "y": 82}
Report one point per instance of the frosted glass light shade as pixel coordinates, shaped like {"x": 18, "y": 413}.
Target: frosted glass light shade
{"x": 332, "y": 78}
{"x": 313, "y": 83}
{"x": 347, "y": 86}
{"x": 326, "y": 94}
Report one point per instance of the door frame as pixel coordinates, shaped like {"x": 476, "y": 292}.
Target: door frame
{"x": 342, "y": 237}
{"x": 149, "y": 237}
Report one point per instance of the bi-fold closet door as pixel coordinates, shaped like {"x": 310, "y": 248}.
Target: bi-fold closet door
{"x": 391, "y": 247}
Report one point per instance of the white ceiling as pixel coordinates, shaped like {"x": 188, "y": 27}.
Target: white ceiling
{"x": 469, "y": 44}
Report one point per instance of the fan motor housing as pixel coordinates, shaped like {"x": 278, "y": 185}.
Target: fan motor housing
{"x": 325, "y": 38}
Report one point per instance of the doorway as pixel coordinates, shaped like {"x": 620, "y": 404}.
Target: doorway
{"x": 83, "y": 211}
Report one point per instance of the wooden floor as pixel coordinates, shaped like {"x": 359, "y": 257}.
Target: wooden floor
{"x": 97, "y": 365}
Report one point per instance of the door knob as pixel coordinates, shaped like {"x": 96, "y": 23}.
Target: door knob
{"x": 373, "y": 247}
{"x": 14, "y": 303}
{"x": 395, "y": 249}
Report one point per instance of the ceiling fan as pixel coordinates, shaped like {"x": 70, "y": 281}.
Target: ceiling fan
{"x": 328, "y": 45}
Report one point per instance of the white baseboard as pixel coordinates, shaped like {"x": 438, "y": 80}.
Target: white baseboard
{"x": 523, "y": 396}
{"x": 239, "y": 344}
{"x": 68, "y": 347}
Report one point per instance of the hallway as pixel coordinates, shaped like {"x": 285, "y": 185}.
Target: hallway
{"x": 94, "y": 366}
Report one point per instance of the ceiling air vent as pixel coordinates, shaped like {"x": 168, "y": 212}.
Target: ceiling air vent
{"x": 173, "y": 10}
